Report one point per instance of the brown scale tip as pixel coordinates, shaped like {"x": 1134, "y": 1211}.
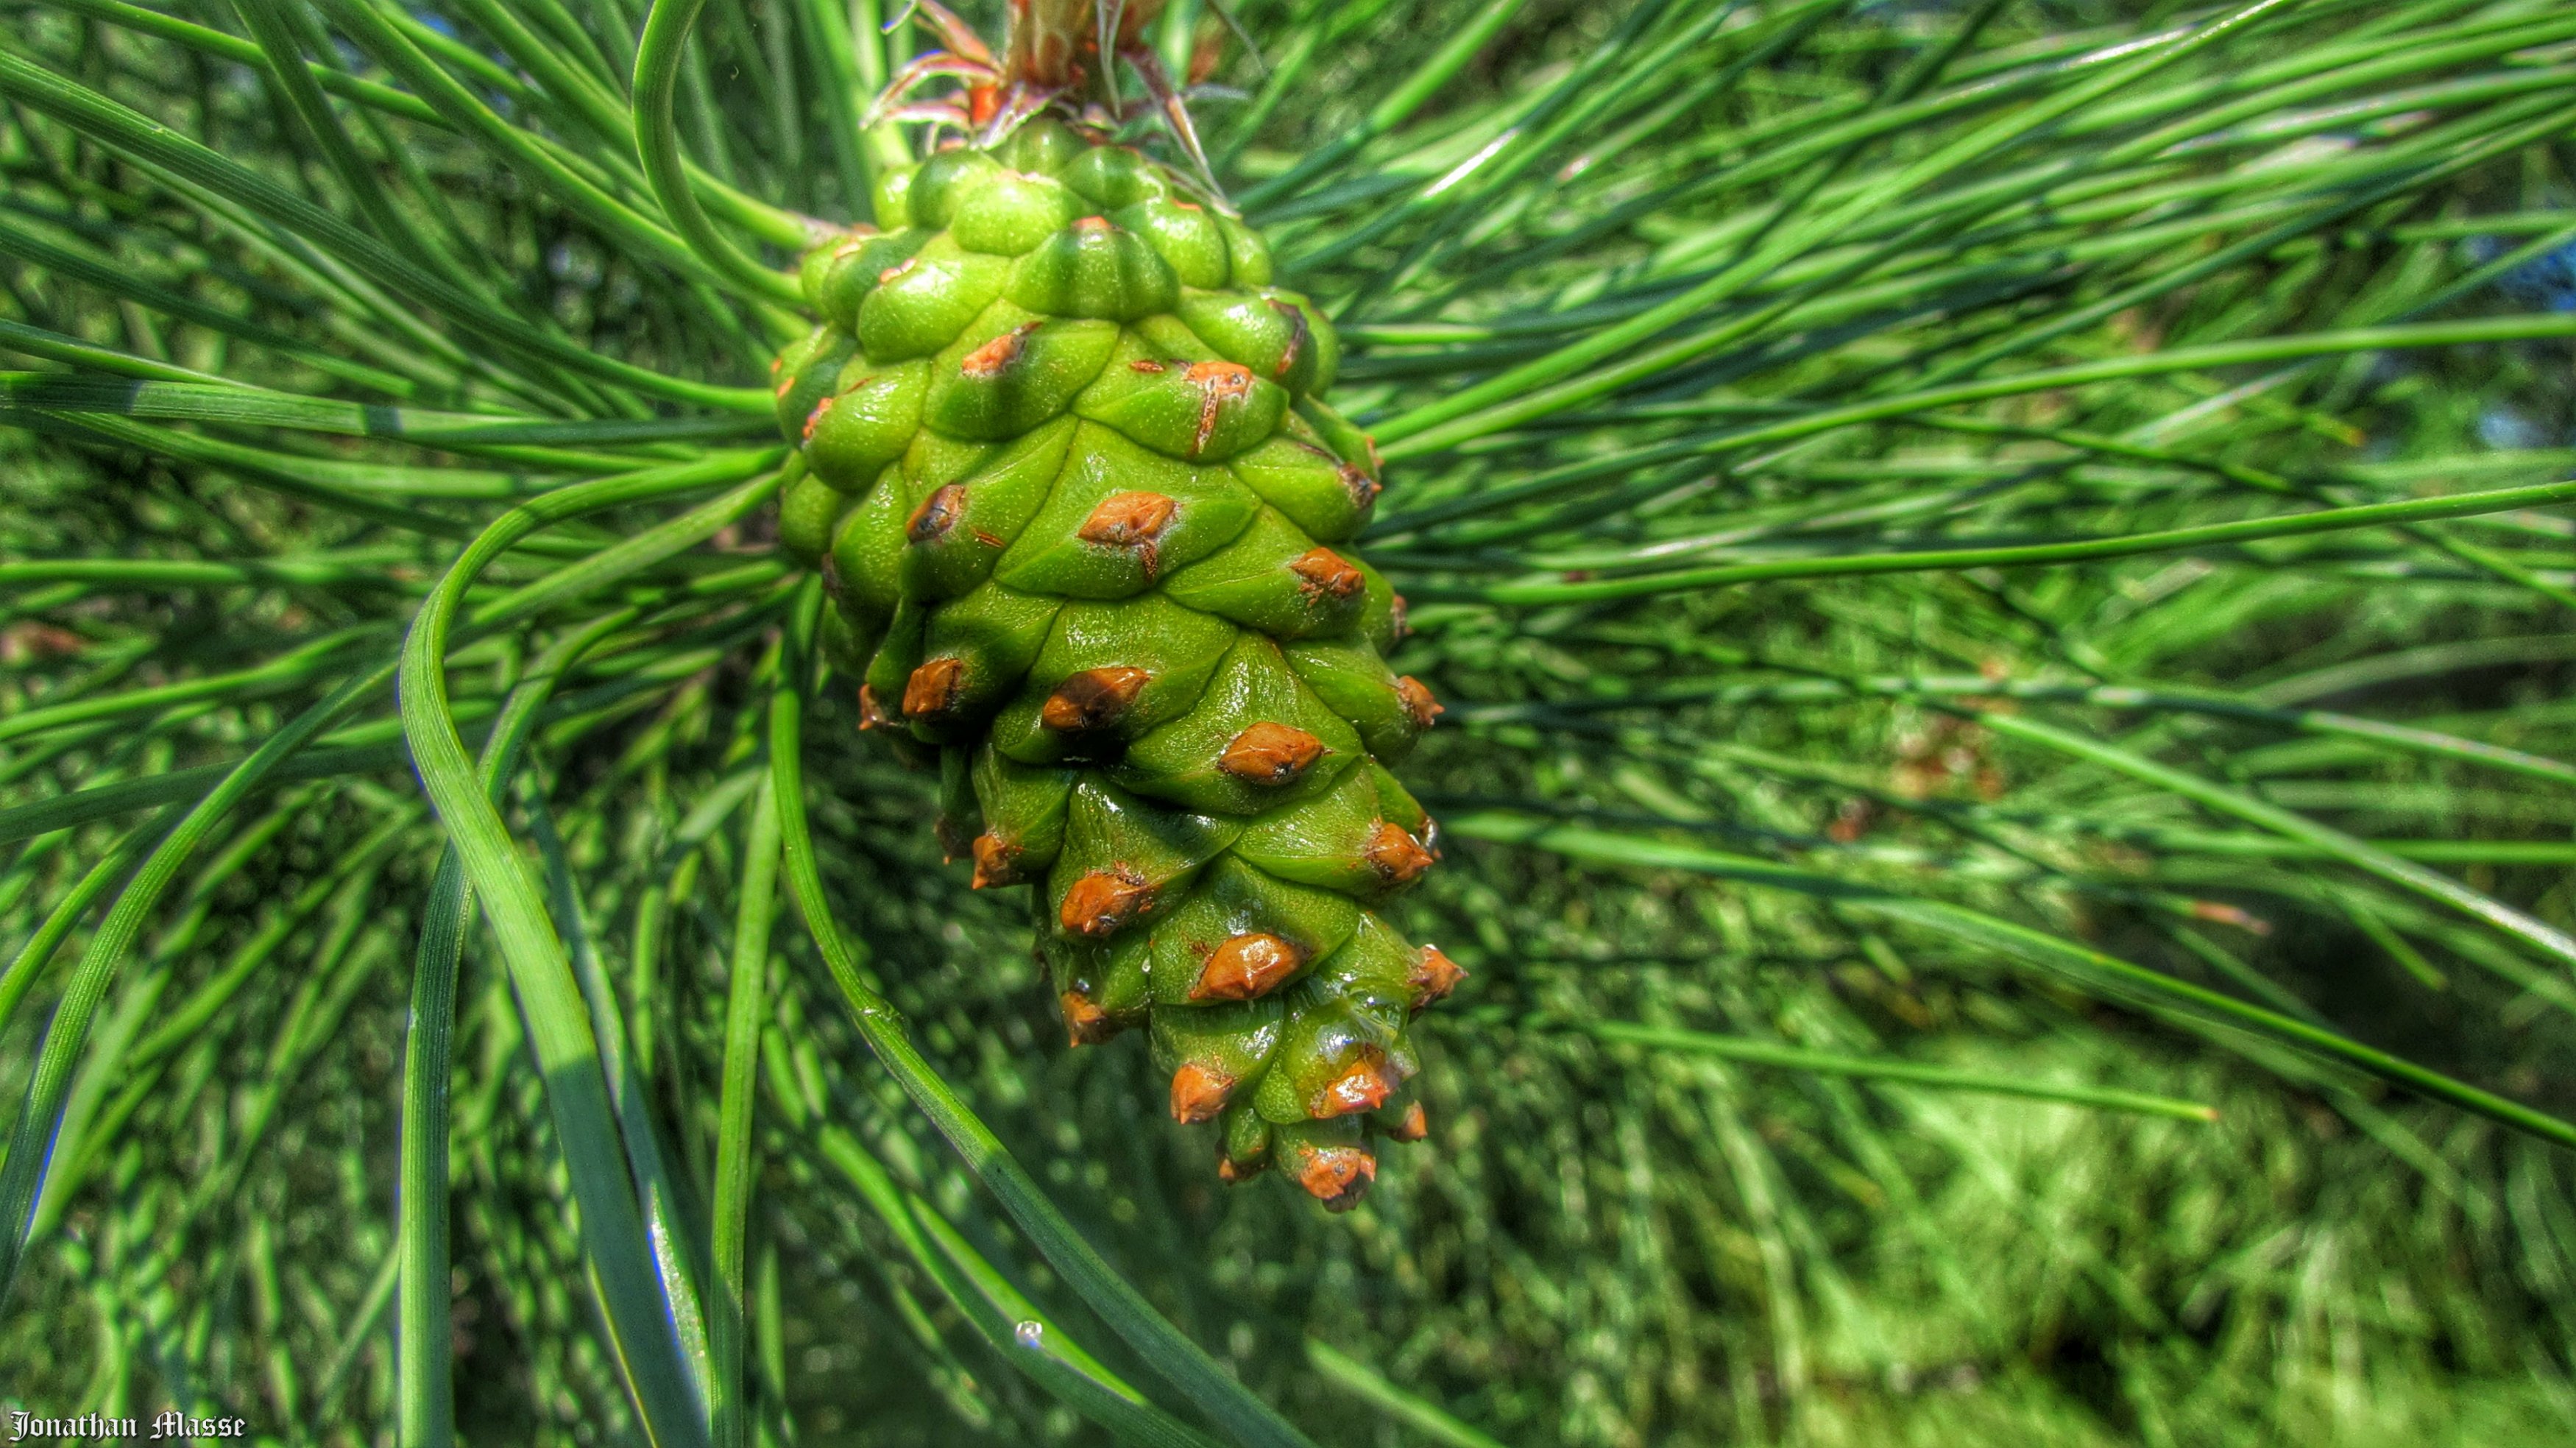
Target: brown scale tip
{"x": 997, "y": 861}
{"x": 1248, "y": 966}
{"x": 1085, "y": 1023}
{"x": 1129, "y": 520}
{"x": 1092, "y": 223}
{"x": 814, "y": 419}
{"x": 872, "y": 715}
{"x": 933, "y": 688}
{"x": 1418, "y": 701}
{"x": 1362, "y": 488}
{"x": 937, "y": 514}
{"x": 1321, "y": 570}
{"x": 1218, "y": 383}
{"x": 1337, "y": 1176}
{"x": 1363, "y": 1085}
{"x": 1395, "y": 855}
{"x": 1299, "y": 335}
{"x": 1104, "y": 902}
{"x": 1198, "y": 1093}
{"x": 1092, "y": 699}
{"x": 1230, "y": 378}
{"x": 1413, "y": 1125}
{"x": 1235, "y": 1173}
{"x": 1434, "y": 975}
{"x": 996, "y": 356}
{"x": 1399, "y": 614}
{"x": 1270, "y": 754}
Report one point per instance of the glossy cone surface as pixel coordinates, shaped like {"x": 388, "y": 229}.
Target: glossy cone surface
{"x": 1086, "y": 523}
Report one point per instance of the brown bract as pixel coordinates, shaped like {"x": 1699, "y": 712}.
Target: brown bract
{"x": 1135, "y": 520}
{"x": 937, "y": 514}
{"x": 1199, "y": 1092}
{"x": 1337, "y": 1176}
{"x": 1398, "y": 857}
{"x": 1104, "y": 902}
{"x": 1418, "y": 701}
{"x": 1321, "y": 570}
{"x": 1413, "y": 1125}
{"x": 1092, "y": 699}
{"x": 1270, "y": 754}
{"x": 1363, "y": 1085}
{"x": 1434, "y": 975}
{"x": 1248, "y": 966}
{"x": 1084, "y": 1021}
{"x": 1300, "y": 336}
{"x": 995, "y": 357}
{"x": 1362, "y": 488}
{"x": 997, "y": 861}
{"x": 1218, "y": 383}
{"x": 872, "y": 715}
{"x": 933, "y": 688}
{"x": 1054, "y": 45}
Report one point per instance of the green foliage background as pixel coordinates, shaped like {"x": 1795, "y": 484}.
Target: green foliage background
{"x": 1885, "y": 492}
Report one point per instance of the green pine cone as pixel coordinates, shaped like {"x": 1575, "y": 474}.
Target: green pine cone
{"x": 1085, "y": 521}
